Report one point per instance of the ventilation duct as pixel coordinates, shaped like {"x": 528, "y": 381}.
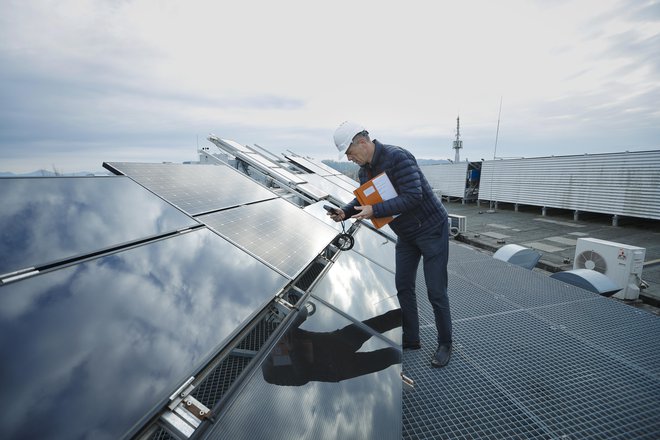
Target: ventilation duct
{"x": 518, "y": 255}
{"x": 588, "y": 279}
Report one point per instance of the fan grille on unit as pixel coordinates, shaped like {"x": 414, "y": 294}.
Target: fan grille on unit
{"x": 591, "y": 260}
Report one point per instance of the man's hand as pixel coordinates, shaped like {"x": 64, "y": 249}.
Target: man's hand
{"x": 337, "y": 215}
{"x": 366, "y": 212}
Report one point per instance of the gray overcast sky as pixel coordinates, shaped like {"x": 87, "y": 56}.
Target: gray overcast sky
{"x": 87, "y": 81}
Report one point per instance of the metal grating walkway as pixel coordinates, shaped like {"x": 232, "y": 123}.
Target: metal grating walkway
{"x": 533, "y": 359}
{"x": 216, "y": 384}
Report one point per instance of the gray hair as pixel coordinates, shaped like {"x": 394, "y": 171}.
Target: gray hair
{"x": 364, "y": 134}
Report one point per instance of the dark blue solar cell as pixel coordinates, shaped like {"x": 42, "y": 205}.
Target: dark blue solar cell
{"x": 90, "y": 349}
{"x": 195, "y": 189}
{"x": 276, "y": 231}
{"x": 48, "y": 219}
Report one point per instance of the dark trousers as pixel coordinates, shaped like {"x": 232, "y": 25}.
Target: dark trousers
{"x": 434, "y": 248}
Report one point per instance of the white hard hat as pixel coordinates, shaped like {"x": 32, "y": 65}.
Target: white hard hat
{"x": 344, "y": 135}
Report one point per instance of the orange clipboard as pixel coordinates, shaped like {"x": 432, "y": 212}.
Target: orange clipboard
{"x": 374, "y": 191}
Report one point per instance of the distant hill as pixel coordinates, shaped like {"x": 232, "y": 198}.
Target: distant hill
{"x": 432, "y": 161}
{"x": 347, "y": 168}
{"x": 351, "y": 170}
{"x": 46, "y": 173}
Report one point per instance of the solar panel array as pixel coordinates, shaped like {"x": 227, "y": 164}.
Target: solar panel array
{"x": 120, "y": 331}
{"x": 136, "y": 291}
{"x": 313, "y": 179}
{"x": 297, "y": 182}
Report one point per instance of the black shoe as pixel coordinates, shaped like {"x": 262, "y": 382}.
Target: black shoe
{"x": 412, "y": 345}
{"x": 442, "y": 356}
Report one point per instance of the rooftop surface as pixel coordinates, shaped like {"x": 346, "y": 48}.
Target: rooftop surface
{"x": 555, "y": 235}
{"x": 534, "y": 357}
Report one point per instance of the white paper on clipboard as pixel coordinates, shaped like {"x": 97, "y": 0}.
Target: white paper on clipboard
{"x": 384, "y": 187}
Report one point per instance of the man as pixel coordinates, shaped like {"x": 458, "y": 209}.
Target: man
{"x": 421, "y": 228}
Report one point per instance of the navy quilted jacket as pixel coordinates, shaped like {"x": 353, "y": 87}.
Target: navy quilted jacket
{"x": 418, "y": 207}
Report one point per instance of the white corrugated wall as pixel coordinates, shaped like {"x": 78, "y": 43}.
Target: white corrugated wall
{"x": 447, "y": 179}
{"x": 626, "y": 184}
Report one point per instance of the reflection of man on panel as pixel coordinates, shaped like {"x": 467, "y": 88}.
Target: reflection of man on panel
{"x": 302, "y": 356}
{"x": 420, "y": 225}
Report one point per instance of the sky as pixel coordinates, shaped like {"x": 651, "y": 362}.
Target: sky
{"x": 88, "y": 81}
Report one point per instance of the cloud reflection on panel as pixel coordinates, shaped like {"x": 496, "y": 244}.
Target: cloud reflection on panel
{"x": 326, "y": 378}
{"x": 360, "y": 288}
{"x": 91, "y": 348}
{"x": 48, "y": 219}
{"x": 317, "y": 210}
{"x": 276, "y": 231}
{"x": 376, "y": 247}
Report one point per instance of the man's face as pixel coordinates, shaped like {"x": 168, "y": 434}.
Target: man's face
{"x": 357, "y": 152}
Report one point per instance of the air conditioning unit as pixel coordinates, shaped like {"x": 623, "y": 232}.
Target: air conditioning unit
{"x": 457, "y": 224}
{"x": 621, "y": 263}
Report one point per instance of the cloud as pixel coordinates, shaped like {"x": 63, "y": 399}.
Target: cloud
{"x": 89, "y": 106}
{"x": 122, "y": 80}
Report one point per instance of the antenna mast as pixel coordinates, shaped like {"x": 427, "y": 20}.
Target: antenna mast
{"x": 492, "y": 170}
{"x": 497, "y": 133}
{"x": 458, "y": 143}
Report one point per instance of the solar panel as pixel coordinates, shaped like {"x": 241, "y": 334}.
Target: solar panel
{"x": 261, "y": 163}
{"x": 325, "y": 379}
{"x": 388, "y": 231}
{"x": 269, "y": 166}
{"x": 317, "y": 210}
{"x": 257, "y": 159}
{"x": 90, "y": 349}
{"x": 375, "y": 247}
{"x": 337, "y": 192}
{"x": 313, "y": 165}
{"x": 312, "y": 191}
{"x": 195, "y": 189}
{"x": 359, "y": 288}
{"x": 289, "y": 176}
{"x": 261, "y": 150}
{"x": 277, "y": 232}
{"x": 342, "y": 183}
{"x": 237, "y": 146}
{"x": 320, "y": 164}
{"x": 348, "y": 180}
{"x": 48, "y": 219}
{"x": 262, "y": 160}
